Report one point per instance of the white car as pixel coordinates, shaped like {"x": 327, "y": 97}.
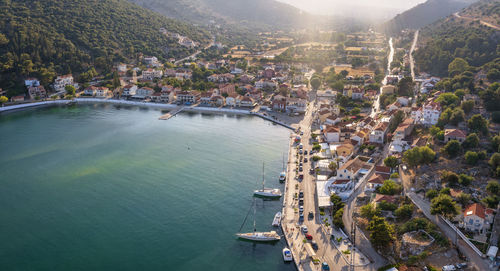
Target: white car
{"x": 304, "y": 228}
{"x": 449, "y": 268}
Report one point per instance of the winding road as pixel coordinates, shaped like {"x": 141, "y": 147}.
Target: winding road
{"x": 456, "y": 14}
{"x": 412, "y": 49}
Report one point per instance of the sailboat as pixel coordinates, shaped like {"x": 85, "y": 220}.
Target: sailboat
{"x": 272, "y": 193}
{"x": 283, "y": 172}
{"x": 259, "y": 236}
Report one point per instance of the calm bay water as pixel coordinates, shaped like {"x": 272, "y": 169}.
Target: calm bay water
{"x": 101, "y": 187}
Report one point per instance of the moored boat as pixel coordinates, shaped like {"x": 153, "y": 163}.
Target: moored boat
{"x": 273, "y": 193}
{"x": 277, "y": 219}
{"x": 287, "y": 255}
{"x": 260, "y": 236}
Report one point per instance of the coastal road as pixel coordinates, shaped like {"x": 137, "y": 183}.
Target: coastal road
{"x": 475, "y": 260}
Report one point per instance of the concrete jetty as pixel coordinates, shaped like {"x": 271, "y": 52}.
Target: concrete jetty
{"x": 172, "y": 113}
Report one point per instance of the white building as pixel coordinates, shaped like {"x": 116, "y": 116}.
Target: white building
{"x": 331, "y": 134}
{"x": 62, "y": 81}
{"x": 378, "y": 134}
{"x": 151, "y": 74}
{"x": 129, "y": 90}
{"x": 428, "y": 114}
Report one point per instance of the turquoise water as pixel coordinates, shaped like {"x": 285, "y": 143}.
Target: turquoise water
{"x": 100, "y": 187}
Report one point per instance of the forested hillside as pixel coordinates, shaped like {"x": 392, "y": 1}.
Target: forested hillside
{"x": 47, "y": 37}
{"x": 424, "y": 14}
{"x": 263, "y": 14}
{"x": 454, "y": 38}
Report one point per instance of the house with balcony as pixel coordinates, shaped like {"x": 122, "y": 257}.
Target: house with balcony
{"x": 379, "y": 132}
{"x": 187, "y": 97}
{"x": 37, "y": 92}
{"x": 62, "y": 81}
{"x": 476, "y": 218}
{"x": 129, "y": 90}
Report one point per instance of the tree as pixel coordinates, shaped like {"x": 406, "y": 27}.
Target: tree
{"x": 452, "y": 148}
{"x": 478, "y": 124}
{"x": 444, "y": 205}
{"x": 493, "y": 75}
{"x": 419, "y": 156}
{"x": 355, "y": 111}
{"x": 471, "y": 141}
{"x": 381, "y": 232}
{"x": 457, "y": 116}
{"x": 116, "y": 80}
{"x": 493, "y": 187}
{"x": 389, "y": 187}
{"x": 404, "y": 211}
{"x": 447, "y": 99}
{"x": 449, "y": 177}
{"x": 495, "y": 143}
{"x": 368, "y": 211}
{"x": 464, "y": 179}
{"x": 431, "y": 193}
{"x": 405, "y": 86}
{"x": 337, "y": 218}
{"x": 457, "y": 66}
{"x": 467, "y": 106}
{"x": 3, "y": 100}
{"x": 315, "y": 83}
{"x": 336, "y": 202}
{"x": 464, "y": 198}
{"x": 332, "y": 166}
{"x": 471, "y": 157}
{"x": 495, "y": 160}
{"x": 70, "y": 89}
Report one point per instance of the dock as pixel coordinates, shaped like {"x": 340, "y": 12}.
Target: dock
{"x": 272, "y": 120}
{"x": 172, "y": 113}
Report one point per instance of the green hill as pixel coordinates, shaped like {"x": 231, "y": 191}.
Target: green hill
{"x": 42, "y": 38}
{"x": 454, "y": 37}
{"x": 424, "y": 14}
{"x": 263, "y": 14}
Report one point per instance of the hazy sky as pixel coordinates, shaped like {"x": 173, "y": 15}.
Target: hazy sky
{"x": 379, "y": 8}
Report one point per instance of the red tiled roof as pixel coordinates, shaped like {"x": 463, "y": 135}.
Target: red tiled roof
{"x": 383, "y": 169}
{"x": 376, "y": 179}
{"x": 475, "y": 209}
{"x": 454, "y": 133}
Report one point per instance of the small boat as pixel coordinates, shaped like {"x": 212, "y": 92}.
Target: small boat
{"x": 273, "y": 193}
{"x": 287, "y": 255}
{"x": 283, "y": 172}
{"x": 277, "y": 219}
{"x": 282, "y": 177}
{"x": 260, "y": 236}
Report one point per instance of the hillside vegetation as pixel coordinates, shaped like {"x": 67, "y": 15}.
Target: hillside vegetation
{"x": 424, "y": 14}
{"x": 48, "y": 37}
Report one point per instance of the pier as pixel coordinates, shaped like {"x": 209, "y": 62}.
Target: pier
{"x": 172, "y": 113}
{"x": 272, "y": 120}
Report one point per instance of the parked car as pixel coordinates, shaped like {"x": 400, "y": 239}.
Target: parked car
{"x": 325, "y": 266}
{"x": 461, "y": 265}
{"x": 301, "y": 194}
{"x": 300, "y": 151}
{"x": 308, "y": 236}
{"x": 301, "y": 217}
{"x": 449, "y": 268}
{"x": 301, "y": 209}
{"x": 311, "y": 215}
{"x": 305, "y": 152}
{"x": 304, "y": 228}
{"x": 314, "y": 245}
